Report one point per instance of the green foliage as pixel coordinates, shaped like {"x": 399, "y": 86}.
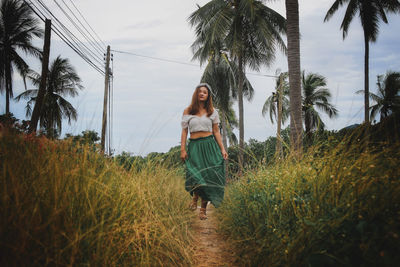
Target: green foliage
{"x": 13, "y": 124}
{"x": 62, "y": 204}
{"x": 337, "y": 206}
{"x": 170, "y": 159}
{"x": 256, "y": 153}
{"x": 62, "y": 81}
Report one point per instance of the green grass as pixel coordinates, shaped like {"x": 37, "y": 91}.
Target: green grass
{"x": 66, "y": 205}
{"x": 339, "y": 206}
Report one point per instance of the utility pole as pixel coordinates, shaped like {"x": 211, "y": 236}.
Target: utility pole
{"x": 106, "y": 88}
{"x": 42, "y": 87}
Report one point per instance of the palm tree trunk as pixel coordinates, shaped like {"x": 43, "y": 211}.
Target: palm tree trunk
{"x": 8, "y": 85}
{"x": 307, "y": 123}
{"x": 37, "y": 109}
{"x": 241, "y": 121}
{"x": 366, "y": 79}
{"x": 224, "y": 130}
{"x": 224, "y": 139}
{"x": 7, "y": 98}
{"x": 278, "y": 150}
{"x": 293, "y": 43}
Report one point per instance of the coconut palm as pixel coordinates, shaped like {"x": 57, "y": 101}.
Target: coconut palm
{"x": 370, "y": 12}
{"x": 293, "y": 45}
{"x": 17, "y": 29}
{"x": 277, "y": 105}
{"x": 387, "y": 98}
{"x": 62, "y": 81}
{"x": 231, "y": 124}
{"x": 315, "y": 96}
{"x": 221, "y": 74}
{"x": 251, "y": 31}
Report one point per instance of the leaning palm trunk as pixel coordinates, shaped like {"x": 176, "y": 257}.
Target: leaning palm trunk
{"x": 366, "y": 80}
{"x": 224, "y": 130}
{"x": 293, "y": 43}
{"x": 241, "y": 121}
{"x": 8, "y": 84}
{"x": 224, "y": 139}
{"x": 278, "y": 151}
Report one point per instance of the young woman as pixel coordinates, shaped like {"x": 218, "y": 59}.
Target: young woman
{"x": 204, "y": 159}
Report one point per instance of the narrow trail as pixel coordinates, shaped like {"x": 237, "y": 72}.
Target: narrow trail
{"x": 211, "y": 249}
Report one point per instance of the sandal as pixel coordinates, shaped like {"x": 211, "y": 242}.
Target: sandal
{"x": 202, "y": 214}
{"x": 193, "y": 204}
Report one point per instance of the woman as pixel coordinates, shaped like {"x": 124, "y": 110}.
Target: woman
{"x": 205, "y": 174}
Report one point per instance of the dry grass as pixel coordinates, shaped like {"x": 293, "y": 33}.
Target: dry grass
{"x": 339, "y": 206}
{"x": 65, "y": 205}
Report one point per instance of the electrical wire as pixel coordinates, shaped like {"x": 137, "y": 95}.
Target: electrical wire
{"x": 95, "y": 45}
{"x": 84, "y": 27}
{"x": 59, "y": 33}
{"x": 88, "y": 23}
{"x": 182, "y": 63}
{"x": 76, "y": 40}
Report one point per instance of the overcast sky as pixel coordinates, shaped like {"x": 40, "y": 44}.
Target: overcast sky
{"x": 150, "y": 95}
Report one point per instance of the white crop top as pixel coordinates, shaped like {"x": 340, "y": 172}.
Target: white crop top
{"x": 200, "y": 123}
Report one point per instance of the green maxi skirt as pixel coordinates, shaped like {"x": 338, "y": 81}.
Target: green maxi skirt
{"x": 205, "y": 173}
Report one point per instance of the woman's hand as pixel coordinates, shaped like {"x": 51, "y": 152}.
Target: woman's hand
{"x": 184, "y": 155}
{"x": 224, "y": 154}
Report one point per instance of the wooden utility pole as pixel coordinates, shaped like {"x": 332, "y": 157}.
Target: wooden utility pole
{"x": 106, "y": 88}
{"x": 43, "y": 80}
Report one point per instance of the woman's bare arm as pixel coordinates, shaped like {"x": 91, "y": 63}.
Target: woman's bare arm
{"x": 184, "y": 135}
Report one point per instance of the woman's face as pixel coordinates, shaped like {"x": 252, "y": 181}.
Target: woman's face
{"x": 203, "y": 93}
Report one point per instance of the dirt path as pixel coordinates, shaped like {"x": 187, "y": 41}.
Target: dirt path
{"x": 211, "y": 249}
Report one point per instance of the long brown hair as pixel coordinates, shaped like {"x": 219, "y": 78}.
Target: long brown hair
{"x": 195, "y": 105}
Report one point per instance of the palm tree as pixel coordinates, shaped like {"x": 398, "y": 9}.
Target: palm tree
{"x": 387, "y": 98}
{"x": 221, "y": 74}
{"x": 62, "y": 81}
{"x": 231, "y": 124}
{"x": 315, "y": 96}
{"x": 277, "y": 105}
{"x": 370, "y": 13}
{"x": 293, "y": 44}
{"x": 251, "y": 31}
{"x": 17, "y": 29}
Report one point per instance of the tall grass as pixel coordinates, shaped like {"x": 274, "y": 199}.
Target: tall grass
{"x": 339, "y": 206}
{"x": 65, "y": 205}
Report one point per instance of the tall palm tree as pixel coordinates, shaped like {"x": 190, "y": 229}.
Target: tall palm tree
{"x": 17, "y": 29}
{"x": 221, "y": 74}
{"x": 277, "y": 105}
{"x": 251, "y": 31}
{"x": 315, "y": 96}
{"x": 293, "y": 45}
{"x": 62, "y": 81}
{"x": 231, "y": 124}
{"x": 370, "y": 13}
{"x": 387, "y": 98}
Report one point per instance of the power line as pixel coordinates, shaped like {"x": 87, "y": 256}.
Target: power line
{"x": 182, "y": 63}
{"x": 88, "y": 23}
{"x": 42, "y": 16}
{"x": 72, "y": 44}
{"x": 94, "y": 44}
{"x": 157, "y": 58}
{"x": 75, "y": 39}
